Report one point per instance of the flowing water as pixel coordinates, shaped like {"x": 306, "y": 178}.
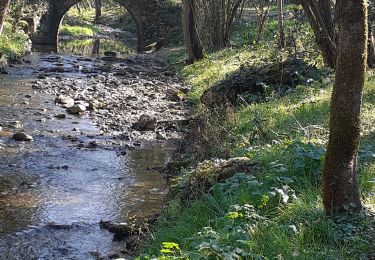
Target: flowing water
{"x": 52, "y": 194}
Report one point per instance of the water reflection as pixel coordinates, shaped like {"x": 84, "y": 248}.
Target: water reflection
{"x": 95, "y": 47}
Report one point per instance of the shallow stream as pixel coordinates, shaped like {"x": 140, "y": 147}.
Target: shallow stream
{"x": 53, "y": 193}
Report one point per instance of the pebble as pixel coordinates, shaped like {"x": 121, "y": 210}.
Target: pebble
{"x": 22, "y": 136}
{"x": 76, "y": 110}
{"x": 65, "y": 101}
{"x": 146, "y": 122}
{"x": 60, "y": 116}
{"x": 15, "y": 125}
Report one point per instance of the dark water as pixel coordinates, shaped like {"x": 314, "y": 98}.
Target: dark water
{"x": 52, "y": 194}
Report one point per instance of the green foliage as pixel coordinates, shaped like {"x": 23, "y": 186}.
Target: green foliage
{"x": 68, "y": 30}
{"x": 12, "y": 45}
{"x": 276, "y": 214}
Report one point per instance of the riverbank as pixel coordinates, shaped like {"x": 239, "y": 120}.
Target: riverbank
{"x": 272, "y": 209}
{"x": 12, "y": 46}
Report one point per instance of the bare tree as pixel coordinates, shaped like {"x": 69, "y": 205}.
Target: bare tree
{"x": 98, "y": 11}
{"x": 280, "y": 18}
{"x": 4, "y": 5}
{"x": 215, "y": 20}
{"x": 192, "y": 41}
{"x": 319, "y": 14}
{"x": 321, "y": 18}
{"x": 340, "y": 185}
{"x": 262, "y": 8}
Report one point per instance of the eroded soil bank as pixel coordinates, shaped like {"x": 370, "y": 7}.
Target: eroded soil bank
{"x": 88, "y": 165}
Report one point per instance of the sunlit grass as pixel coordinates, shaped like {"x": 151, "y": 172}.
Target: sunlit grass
{"x": 295, "y": 130}
{"x": 75, "y": 30}
{"x": 12, "y": 45}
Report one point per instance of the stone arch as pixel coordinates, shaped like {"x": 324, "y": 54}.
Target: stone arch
{"x": 143, "y": 12}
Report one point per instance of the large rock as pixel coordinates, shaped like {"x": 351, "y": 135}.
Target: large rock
{"x": 77, "y": 109}
{"x": 121, "y": 231}
{"x": 22, "y": 136}
{"x": 64, "y": 101}
{"x": 146, "y": 123}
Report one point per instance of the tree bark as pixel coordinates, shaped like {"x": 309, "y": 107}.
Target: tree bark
{"x": 192, "y": 41}
{"x": 326, "y": 13}
{"x": 340, "y": 185}
{"x": 319, "y": 16}
{"x": 98, "y": 11}
{"x": 96, "y": 47}
{"x": 280, "y": 18}
{"x": 4, "y": 4}
{"x": 371, "y": 49}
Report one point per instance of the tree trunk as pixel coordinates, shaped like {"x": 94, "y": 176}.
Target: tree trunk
{"x": 192, "y": 41}
{"x": 96, "y": 47}
{"x": 98, "y": 11}
{"x": 280, "y": 17}
{"x": 4, "y": 4}
{"x": 371, "y": 49}
{"x": 326, "y": 13}
{"x": 319, "y": 16}
{"x": 340, "y": 185}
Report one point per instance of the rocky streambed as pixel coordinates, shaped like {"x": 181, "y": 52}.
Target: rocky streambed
{"x": 133, "y": 98}
{"x": 79, "y": 138}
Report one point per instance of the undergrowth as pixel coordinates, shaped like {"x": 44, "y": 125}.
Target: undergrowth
{"x": 277, "y": 213}
{"x": 12, "y": 45}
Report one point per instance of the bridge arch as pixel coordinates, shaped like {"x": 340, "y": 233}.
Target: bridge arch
{"x": 144, "y": 13}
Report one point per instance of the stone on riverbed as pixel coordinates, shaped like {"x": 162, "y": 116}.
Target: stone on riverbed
{"x": 95, "y": 104}
{"x": 110, "y": 54}
{"x": 146, "y": 122}
{"x": 65, "y": 101}
{"x": 120, "y": 230}
{"x": 22, "y": 136}
{"x": 15, "y": 125}
{"x": 60, "y": 116}
{"x": 77, "y": 109}
{"x": 42, "y": 76}
{"x": 109, "y": 58}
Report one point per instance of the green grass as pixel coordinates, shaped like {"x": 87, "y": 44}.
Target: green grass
{"x": 75, "y": 30}
{"x": 12, "y": 45}
{"x": 286, "y": 136}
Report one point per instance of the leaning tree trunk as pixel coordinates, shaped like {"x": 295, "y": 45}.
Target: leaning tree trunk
{"x": 280, "y": 18}
{"x": 4, "y": 4}
{"x": 340, "y": 185}
{"x": 320, "y": 18}
{"x": 192, "y": 41}
{"x": 98, "y": 11}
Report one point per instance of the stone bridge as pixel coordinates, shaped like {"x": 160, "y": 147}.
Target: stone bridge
{"x": 146, "y": 14}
